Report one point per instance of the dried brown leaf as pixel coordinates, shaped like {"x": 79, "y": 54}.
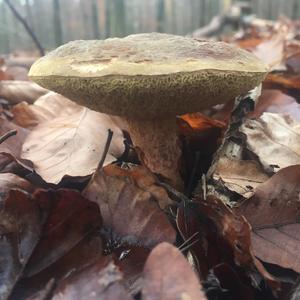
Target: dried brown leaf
{"x": 10, "y": 181}
{"x": 17, "y": 73}
{"x": 130, "y": 213}
{"x": 71, "y": 219}
{"x": 274, "y": 213}
{"x": 275, "y": 101}
{"x": 10, "y": 149}
{"x": 145, "y": 180}
{"x": 18, "y": 91}
{"x": 101, "y": 280}
{"x": 293, "y": 62}
{"x": 70, "y": 144}
{"x": 168, "y": 276}
{"x": 240, "y": 176}
{"x": 85, "y": 253}
{"x": 283, "y": 79}
{"x": 45, "y": 108}
{"x": 275, "y": 139}
{"x": 21, "y": 223}
{"x": 271, "y": 51}
{"x": 221, "y": 235}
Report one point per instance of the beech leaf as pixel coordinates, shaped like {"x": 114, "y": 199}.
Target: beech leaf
{"x": 130, "y": 213}
{"x": 18, "y": 91}
{"x": 275, "y": 101}
{"x": 71, "y": 219}
{"x": 240, "y": 176}
{"x": 71, "y": 144}
{"x": 275, "y": 139}
{"x": 274, "y": 214}
{"x": 21, "y": 223}
{"x": 168, "y": 276}
{"x": 98, "y": 281}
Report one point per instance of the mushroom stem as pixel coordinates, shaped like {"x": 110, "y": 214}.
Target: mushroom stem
{"x": 159, "y": 143}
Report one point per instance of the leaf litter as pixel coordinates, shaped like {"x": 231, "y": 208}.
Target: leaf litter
{"x": 117, "y": 231}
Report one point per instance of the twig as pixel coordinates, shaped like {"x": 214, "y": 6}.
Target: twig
{"x": 175, "y": 195}
{"x": 189, "y": 245}
{"x": 183, "y": 245}
{"x": 7, "y": 135}
{"x": 106, "y": 148}
{"x": 26, "y": 26}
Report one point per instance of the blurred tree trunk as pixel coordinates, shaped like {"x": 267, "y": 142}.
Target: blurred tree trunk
{"x": 160, "y": 15}
{"x": 102, "y": 17}
{"x": 57, "y": 23}
{"x": 117, "y": 18}
{"x": 95, "y": 18}
{"x": 296, "y": 9}
{"x": 85, "y": 18}
{"x": 202, "y": 14}
{"x": 29, "y": 17}
{"x": 24, "y": 24}
{"x": 4, "y": 38}
{"x": 108, "y": 13}
{"x": 168, "y": 4}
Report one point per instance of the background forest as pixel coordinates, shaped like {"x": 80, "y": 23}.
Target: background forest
{"x": 57, "y": 21}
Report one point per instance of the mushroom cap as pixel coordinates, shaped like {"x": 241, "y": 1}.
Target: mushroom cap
{"x": 148, "y": 75}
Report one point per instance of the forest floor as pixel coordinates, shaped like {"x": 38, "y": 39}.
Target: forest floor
{"x": 97, "y": 224}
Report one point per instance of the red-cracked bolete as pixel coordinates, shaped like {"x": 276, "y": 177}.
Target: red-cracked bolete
{"x": 148, "y": 79}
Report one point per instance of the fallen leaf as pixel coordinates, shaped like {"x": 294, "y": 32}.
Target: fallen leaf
{"x": 296, "y": 291}
{"x": 274, "y": 214}
{"x": 17, "y": 73}
{"x": 224, "y": 283}
{"x": 283, "y": 79}
{"x": 240, "y": 176}
{"x": 102, "y": 280}
{"x": 131, "y": 215}
{"x": 20, "y": 61}
{"x": 293, "y": 62}
{"x": 71, "y": 145}
{"x": 145, "y": 180}
{"x": 220, "y": 236}
{"x": 271, "y": 51}
{"x": 275, "y": 101}
{"x": 71, "y": 219}
{"x": 10, "y": 149}
{"x": 131, "y": 260}
{"x": 21, "y": 223}
{"x": 46, "y": 108}
{"x": 18, "y": 91}
{"x": 10, "y": 181}
{"x": 168, "y": 276}
{"x": 87, "y": 252}
{"x": 275, "y": 139}
{"x": 4, "y": 75}
{"x": 233, "y": 229}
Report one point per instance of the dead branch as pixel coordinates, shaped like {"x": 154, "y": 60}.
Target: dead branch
{"x": 26, "y": 26}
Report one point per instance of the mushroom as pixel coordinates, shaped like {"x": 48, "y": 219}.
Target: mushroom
{"x": 147, "y": 80}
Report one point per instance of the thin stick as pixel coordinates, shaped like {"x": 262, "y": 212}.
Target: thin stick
{"x": 7, "y": 135}
{"x": 189, "y": 246}
{"x": 26, "y": 26}
{"x": 106, "y": 148}
{"x": 177, "y": 196}
{"x": 188, "y": 240}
